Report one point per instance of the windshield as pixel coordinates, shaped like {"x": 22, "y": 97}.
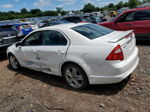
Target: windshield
{"x": 92, "y": 31}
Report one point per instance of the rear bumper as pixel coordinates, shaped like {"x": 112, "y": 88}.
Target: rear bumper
{"x": 113, "y": 79}
{"x": 118, "y": 72}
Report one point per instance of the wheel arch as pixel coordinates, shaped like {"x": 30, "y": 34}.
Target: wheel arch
{"x": 72, "y": 62}
{"x": 9, "y": 53}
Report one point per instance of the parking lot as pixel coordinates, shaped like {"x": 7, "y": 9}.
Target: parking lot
{"x": 30, "y": 91}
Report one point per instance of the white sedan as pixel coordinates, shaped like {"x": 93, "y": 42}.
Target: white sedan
{"x": 82, "y": 53}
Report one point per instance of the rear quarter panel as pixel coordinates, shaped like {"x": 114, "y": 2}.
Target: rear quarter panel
{"x": 89, "y": 56}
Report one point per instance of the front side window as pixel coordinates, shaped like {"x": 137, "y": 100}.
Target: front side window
{"x": 33, "y": 39}
{"x": 130, "y": 17}
{"x": 127, "y": 17}
{"x": 53, "y": 38}
{"x": 142, "y": 15}
{"x": 92, "y": 31}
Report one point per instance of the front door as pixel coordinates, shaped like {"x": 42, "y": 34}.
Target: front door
{"x": 53, "y": 51}
{"x": 139, "y": 21}
{"x": 142, "y": 22}
{"x": 126, "y": 21}
{"x": 27, "y": 53}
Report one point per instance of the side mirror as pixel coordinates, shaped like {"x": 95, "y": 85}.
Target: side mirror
{"x": 19, "y": 44}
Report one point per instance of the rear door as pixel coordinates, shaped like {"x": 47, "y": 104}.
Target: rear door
{"x": 27, "y": 53}
{"x": 142, "y": 23}
{"x": 139, "y": 21}
{"x": 126, "y": 22}
{"x": 53, "y": 51}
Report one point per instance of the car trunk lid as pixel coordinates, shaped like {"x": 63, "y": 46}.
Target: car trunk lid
{"x": 126, "y": 39}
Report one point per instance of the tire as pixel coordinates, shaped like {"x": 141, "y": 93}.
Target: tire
{"x": 75, "y": 76}
{"x": 14, "y": 64}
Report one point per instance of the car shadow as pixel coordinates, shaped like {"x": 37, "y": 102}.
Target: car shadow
{"x": 143, "y": 42}
{"x": 56, "y": 81}
{"x": 3, "y": 57}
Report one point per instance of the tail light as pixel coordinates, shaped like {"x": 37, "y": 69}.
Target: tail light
{"x": 116, "y": 54}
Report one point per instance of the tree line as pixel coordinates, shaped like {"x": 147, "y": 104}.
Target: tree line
{"x": 131, "y": 4}
{"x": 24, "y": 13}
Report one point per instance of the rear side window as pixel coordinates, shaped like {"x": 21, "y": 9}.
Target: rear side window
{"x": 92, "y": 31}
{"x": 142, "y": 15}
{"x": 130, "y": 17}
{"x": 127, "y": 17}
{"x": 53, "y": 38}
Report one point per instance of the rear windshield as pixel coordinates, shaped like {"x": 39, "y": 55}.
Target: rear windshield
{"x": 92, "y": 31}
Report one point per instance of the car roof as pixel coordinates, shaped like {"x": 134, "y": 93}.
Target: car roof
{"x": 61, "y": 26}
{"x": 137, "y": 9}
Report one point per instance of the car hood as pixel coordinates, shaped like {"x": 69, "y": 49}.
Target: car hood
{"x": 113, "y": 37}
{"x": 7, "y": 34}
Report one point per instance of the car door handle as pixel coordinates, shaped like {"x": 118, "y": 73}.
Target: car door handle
{"x": 60, "y": 52}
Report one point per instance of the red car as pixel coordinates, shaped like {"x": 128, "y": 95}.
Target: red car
{"x": 134, "y": 19}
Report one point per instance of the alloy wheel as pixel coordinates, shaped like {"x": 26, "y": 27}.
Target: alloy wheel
{"x": 13, "y": 62}
{"x": 74, "y": 77}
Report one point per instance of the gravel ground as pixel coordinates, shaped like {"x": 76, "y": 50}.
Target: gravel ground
{"x": 30, "y": 91}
